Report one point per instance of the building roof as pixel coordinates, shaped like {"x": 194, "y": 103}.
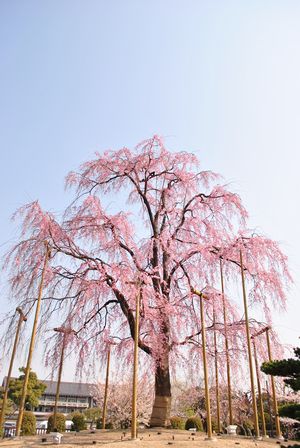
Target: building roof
{"x": 68, "y": 388}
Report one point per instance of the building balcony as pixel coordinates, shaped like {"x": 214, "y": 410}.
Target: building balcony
{"x": 69, "y": 404}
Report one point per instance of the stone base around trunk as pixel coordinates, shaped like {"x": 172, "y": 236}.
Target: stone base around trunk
{"x": 161, "y": 412}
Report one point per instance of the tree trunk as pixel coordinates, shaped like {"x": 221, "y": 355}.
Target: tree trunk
{"x": 162, "y": 403}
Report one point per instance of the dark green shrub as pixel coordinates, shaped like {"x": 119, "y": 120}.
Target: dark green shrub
{"x": 125, "y": 424}
{"x": 291, "y": 410}
{"x": 177, "y": 422}
{"x": 108, "y": 425}
{"x": 214, "y": 425}
{"x": 78, "y": 421}
{"x": 28, "y": 427}
{"x": 60, "y": 423}
{"x": 194, "y": 422}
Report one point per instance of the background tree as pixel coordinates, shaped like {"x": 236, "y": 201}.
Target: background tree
{"x": 179, "y": 223}
{"x": 119, "y": 402}
{"x": 188, "y": 400}
{"x": 92, "y": 414}
{"x": 9, "y": 408}
{"x": 287, "y": 368}
{"x": 35, "y": 390}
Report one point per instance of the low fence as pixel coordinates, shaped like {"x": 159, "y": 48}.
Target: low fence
{"x": 11, "y": 432}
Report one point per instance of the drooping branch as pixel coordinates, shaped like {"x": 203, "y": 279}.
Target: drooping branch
{"x": 190, "y": 222}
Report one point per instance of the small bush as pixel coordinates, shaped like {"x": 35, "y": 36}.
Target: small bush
{"x": 78, "y": 422}
{"x": 194, "y": 422}
{"x": 177, "y": 422}
{"x": 28, "y": 427}
{"x": 214, "y": 425}
{"x": 247, "y": 427}
{"x": 108, "y": 425}
{"x": 125, "y": 424}
{"x": 189, "y": 412}
{"x": 60, "y": 423}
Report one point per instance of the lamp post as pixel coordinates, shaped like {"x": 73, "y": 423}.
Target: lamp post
{"x": 65, "y": 332}
{"x": 106, "y": 389}
{"x": 264, "y": 431}
{"x": 256, "y": 427}
{"x": 207, "y": 396}
{"x": 22, "y": 318}
{"x": 226, "y": 348}
{"x": 32, "y": 342}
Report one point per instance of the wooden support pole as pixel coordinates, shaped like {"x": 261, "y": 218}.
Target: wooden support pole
{"x": 59, "y": 375}
{"x": 32, "y": 342}
{"x": 135, "y": 367}
{"x": 256, "y": 427}
{"x": 22, "y": 319}
{"x": 226, "y": 349}
{"x": 207, "y": 397}
{"x": 106, "y": 389}
{"x": 269, "y": 409}
{"x": 217, "y": 376}
{"x": 275, "y": 407}
{"x": 261, "y": 404}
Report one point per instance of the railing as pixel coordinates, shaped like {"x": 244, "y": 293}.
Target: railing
{"x": 11, "y": 432}
{"x": 63, "y": 403}
{"x": 40, "y": 431}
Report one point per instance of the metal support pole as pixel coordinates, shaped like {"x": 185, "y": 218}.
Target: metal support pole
{"x": 32, "y": 341}
{"x": 217, "y": 376}
{"x": 226, "y": 349}
{"x": 22, "y": 319}
{"x": 276, "y": 414}
{"x": 106, "y": 389}
{"x": 256, "y": 427}
{"x": 135, "y": 367}
{"x": 264, "y": 431}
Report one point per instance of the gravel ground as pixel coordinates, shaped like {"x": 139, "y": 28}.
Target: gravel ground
{"x": 146, "y": 439}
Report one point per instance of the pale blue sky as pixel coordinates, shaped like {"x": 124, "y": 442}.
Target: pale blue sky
{"x": 219, "y": 78}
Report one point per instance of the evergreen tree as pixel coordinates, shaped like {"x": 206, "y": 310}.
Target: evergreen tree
{"x": 35, "y": 389}
{"x": 288, "y": 368}
{"x": 9, "y": 404}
